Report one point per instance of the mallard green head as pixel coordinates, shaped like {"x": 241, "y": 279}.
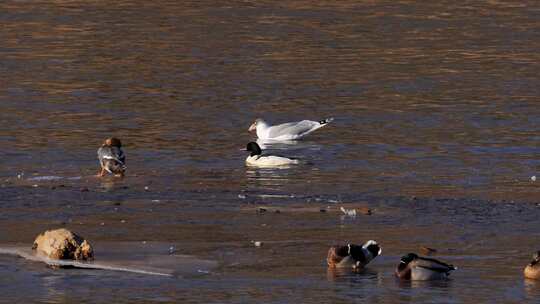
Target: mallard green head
{"x": 406, "y": 259}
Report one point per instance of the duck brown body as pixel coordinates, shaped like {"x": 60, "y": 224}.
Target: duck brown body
{"x": 111, "y": 157}
{"x": 532, "y": 270}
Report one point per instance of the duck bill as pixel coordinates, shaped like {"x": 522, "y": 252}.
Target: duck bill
{"x": 253, "y": 127}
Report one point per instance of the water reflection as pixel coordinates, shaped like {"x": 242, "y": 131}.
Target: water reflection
{"x": 275, "y": 144}
{"x": 532, "y": 288}
{"x": 430, "y": 284}
{"x": 53, "y": 284}
{"x": 111, "y": 183}
{"x": 288, "y": 145}
{"x": 348, "y": 275}
{"x": 268, "y": 178}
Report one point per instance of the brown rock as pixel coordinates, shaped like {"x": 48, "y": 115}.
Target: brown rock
{"x": 62, "y": 244}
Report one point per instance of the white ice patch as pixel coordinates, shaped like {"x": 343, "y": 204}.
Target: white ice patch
{"x": 45, "y": 178}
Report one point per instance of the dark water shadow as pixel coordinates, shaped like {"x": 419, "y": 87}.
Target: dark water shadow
{"x": 346, "y": 275}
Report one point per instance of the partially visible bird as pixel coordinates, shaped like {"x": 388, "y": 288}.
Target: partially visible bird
{"x": 353, "y": 256}
{"x": 413, "y": 267}
{"x": 286, "y": 131}
{"x": 111, "y": 157}
{"x": 257, "y": 159}
{"x": 532, "y": 270}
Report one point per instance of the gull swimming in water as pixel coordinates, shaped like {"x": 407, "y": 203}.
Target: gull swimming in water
{"x": 286, "y": 131}
{"x": 257, "y": 159}
{"x": 111, "y": 157}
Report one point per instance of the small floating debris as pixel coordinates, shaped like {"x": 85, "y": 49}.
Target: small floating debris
{"x": 257, "y": 243}
{"x": 533, "y": 178}
{"x": 172, "y": 250}
{"x": 263, "y": 196}
{"x": 427, "y": 250}
{"x": 146, "y": 188}
{"x": 348, "y": 212}
{"x": 241, "y": 196}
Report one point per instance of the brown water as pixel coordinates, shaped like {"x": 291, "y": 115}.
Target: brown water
{"x": 437, "y": 114}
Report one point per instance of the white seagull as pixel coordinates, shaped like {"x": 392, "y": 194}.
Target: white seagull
{"x": 286, "y": 131}
{"x": 257, "y": 159}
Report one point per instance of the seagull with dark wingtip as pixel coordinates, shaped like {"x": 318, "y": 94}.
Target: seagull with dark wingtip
{"x": 413, "y": 267}
{"x": 353, "y": 256}
{"x": 111, "y": 157}
{"x": 286, "y": 131}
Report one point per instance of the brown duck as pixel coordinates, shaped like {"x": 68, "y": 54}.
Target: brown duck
{"x": 532, "y": 270}
{"x": 111, "y": 157}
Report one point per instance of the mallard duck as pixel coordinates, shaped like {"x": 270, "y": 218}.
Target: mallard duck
{"x": 532, "y": 270}
{"x": 257, "y": 159}
{"x": 286, "y": 131}
{"x": 413, "y": 267}
{"x": 353, "y": 256}
{"x": 111, "y": 157}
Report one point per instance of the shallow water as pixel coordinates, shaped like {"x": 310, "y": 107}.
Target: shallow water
{"x": 435, "y": 110}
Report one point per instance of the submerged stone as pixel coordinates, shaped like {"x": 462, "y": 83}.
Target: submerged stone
{"x": 62, "y": 244}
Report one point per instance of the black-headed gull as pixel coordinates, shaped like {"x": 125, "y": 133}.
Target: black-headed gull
{"x": 111, "y": 157}
{"x": 286, "y": 131}
{"x": 257, "y": 159}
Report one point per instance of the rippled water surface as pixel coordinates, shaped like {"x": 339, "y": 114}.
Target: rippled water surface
{"x": 436, "y": 120}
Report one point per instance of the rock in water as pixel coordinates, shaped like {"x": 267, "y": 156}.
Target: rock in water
{"x": 62, "y": 244}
